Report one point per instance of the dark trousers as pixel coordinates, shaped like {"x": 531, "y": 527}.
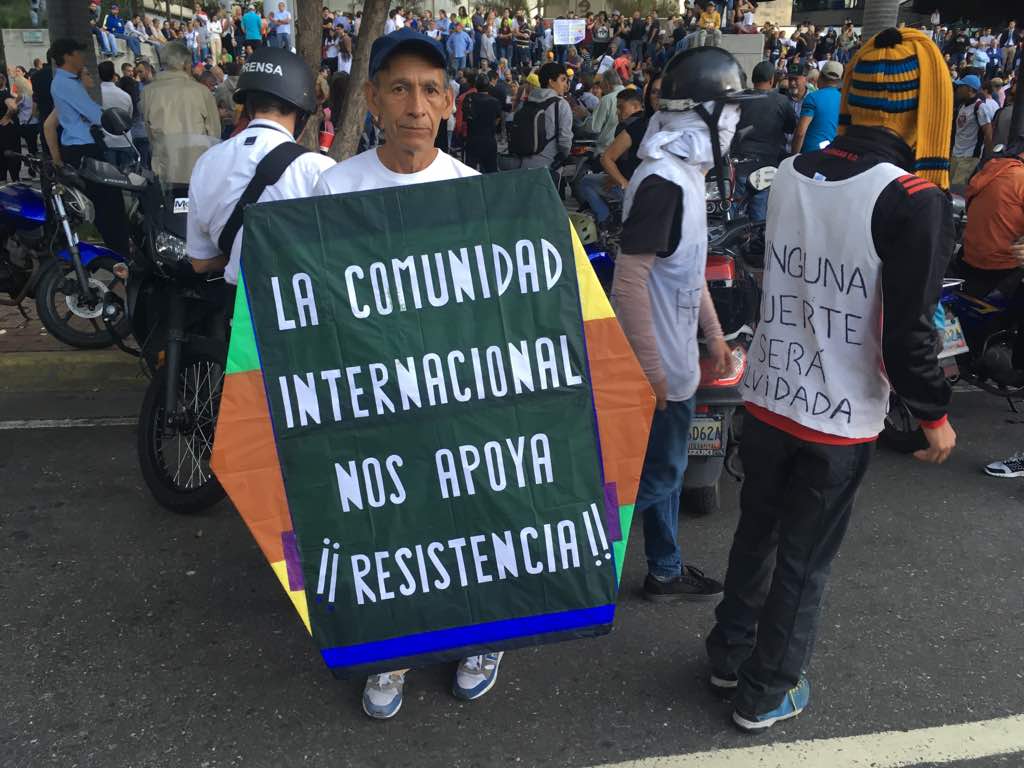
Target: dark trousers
{"x": 30, "y": 133}
{"x": 482, "y": 154}
{"x": 111, "y": 220}
{"x": 10, "y": 141}
{"x": 795, "y": 507}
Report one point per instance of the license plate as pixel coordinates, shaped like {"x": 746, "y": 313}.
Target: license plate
{"x": 953, "y": 341}
{"x": 706, "y": 436}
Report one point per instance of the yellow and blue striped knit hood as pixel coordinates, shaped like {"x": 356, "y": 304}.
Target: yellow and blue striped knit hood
{"x": 899, "y": 80}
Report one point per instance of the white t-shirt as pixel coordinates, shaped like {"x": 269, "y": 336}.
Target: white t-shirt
{"x": 389, "y": 26}
{"x": 215, "y": 27}
{"x": 967, "y": 126}
{"x": 224, "y": 171}
{"x": 366, "y": 171}
{"x": 115, "y": 97}
{"x": 284, "y": 18}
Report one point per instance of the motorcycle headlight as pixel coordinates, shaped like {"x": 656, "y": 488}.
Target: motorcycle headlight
{"x": 78, "y": 205}
{"x": 170, "y": 249}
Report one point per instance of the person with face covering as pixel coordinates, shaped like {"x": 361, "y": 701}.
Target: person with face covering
{"x": 660, "y": 294}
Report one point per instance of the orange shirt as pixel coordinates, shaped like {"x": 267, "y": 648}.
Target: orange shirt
{"x": 995, "y": 216}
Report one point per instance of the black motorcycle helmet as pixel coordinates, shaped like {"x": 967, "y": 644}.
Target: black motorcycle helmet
{"x": 699, "y": 75}
{"x": 283, "y": 75}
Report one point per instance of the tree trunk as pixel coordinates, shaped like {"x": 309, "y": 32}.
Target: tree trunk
{"x": 375, "y": 13}
{"x": 879, "y": 15}
{"x": 307, "y": 32}
{"x": 70, "y": 18}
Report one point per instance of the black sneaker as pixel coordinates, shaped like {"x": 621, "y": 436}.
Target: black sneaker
{"x": 692, "y": 585}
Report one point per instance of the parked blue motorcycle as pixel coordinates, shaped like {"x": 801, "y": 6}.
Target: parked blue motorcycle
{"x": 977, "y": 335}
{"x": 41, "y": 256}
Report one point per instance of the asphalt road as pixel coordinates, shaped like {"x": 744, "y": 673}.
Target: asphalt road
{"x": 133, "y": 637}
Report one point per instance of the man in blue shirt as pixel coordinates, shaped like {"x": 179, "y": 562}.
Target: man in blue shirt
{"x": 113, "y": 23}
{"x": 78, "y": 113}
{"x": 252, "y": 27}
{"x": 459, "y": 44}
{"x": 819, "y": 115}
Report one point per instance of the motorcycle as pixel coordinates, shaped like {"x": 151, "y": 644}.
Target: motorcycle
{"x": 977, "y": 337}
{"x": 716, "y": 429}
{"x": 179, "y": 323}
{"x": 42, "y": 258}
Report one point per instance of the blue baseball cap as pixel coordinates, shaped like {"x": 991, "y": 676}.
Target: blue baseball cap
{"x": 971, "y": 81}
{"x": 404, "y": 39}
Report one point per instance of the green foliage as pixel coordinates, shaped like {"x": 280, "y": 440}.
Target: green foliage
{"x": 15, "y": 15}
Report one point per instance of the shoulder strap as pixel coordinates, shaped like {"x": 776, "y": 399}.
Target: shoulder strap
{"x": 270, "y": 169}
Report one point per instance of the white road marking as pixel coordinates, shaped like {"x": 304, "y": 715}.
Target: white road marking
{"x": 67, "y": 423}
{"x": 889, "y": 749}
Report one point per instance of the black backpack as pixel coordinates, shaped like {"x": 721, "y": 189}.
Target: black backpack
{"x": 528, "y": 135}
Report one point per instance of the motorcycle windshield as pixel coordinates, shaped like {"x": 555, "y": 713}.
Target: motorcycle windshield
{"x": 175, "y": 155}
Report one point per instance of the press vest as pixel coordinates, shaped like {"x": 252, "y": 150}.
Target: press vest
{"x": 676, "y": 281}
{"x": 817, "y": 354}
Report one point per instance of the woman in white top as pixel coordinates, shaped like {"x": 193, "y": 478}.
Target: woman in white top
{"x": 215, "y": 29}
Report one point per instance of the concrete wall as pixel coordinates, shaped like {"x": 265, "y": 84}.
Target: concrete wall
{"x": 748, "y": 50}
{"x": 21, "y": 46}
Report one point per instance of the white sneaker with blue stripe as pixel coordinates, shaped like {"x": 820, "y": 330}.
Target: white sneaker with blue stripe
{"x": 1011, "y": 467}
{"x": 794, "y": 702}
{"x": 382, "y": 696}
{"x": 476, "y": 675}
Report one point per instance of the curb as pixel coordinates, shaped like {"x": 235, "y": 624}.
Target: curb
{"x": 80, "y": 370}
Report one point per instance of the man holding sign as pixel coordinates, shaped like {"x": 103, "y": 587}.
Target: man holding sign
{"x": 409, "y": 94}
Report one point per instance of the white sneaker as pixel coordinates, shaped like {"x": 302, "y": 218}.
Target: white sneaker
{"x": 1011, "y": 467}
{"x": 476, "y": 675}
{"x": 382, "y": 696}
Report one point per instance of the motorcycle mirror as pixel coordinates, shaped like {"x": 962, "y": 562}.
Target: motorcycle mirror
{"x": 116, "y": 121}
{"x": 762, "y": 178}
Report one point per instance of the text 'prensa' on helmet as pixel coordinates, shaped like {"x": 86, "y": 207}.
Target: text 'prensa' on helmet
{"x": 697, "y": 75}
{"x": 280, "y": 73}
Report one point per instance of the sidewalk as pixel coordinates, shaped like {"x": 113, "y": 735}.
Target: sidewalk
{"x": 40, "y": 377}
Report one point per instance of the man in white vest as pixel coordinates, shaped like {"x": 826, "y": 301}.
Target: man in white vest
{"x": 660, "y": 293}
{"x": 856, "y": 248}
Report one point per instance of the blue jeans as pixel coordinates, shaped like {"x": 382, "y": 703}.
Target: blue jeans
{"x": 284, "y": 40}
{"x": 756, "y": 204}
{"x": 107, "y": 43}
{"x": 660, "y": 484}
{"x": 133, "y": 44}
{"x": 593, "y": 193}
{"x": 458, "y": 62}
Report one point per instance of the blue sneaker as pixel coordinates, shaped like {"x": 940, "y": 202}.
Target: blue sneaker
{"x": 793, "y": 704}
{"x": 476, "y": 675}
{"x": 382, "y": 696}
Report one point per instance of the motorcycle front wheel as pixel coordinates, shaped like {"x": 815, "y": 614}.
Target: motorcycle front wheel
{"x": 63, "y": 311}
{"x": 175, "y": 458}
